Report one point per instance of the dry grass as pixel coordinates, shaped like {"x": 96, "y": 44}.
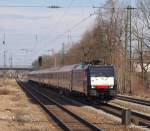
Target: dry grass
{"x": 17, "y": 97}
{"x": 35, "y": 129}
{"x": 4, "y": 92}
{"x": 138, "y": 87}
{"x": 17, "y": 113}
{"x": 22, "y": 117}
{"x": 142, "y": 93}
{"x": 7, "y": 91}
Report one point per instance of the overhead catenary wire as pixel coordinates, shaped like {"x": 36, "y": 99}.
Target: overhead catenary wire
{"x": 30, "y": 6}
{"x": 60, "y": 18}
{"x": 44, "y": 6}
{"x": 64, "y": 13}
{"x": 57, "y": 7}
{"x": 92, "y": 2}
{"x": 57, "y": 37}
{"x": 69, "y": 30}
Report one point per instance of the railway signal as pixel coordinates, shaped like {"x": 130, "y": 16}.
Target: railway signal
{"x": 40, "y": 61}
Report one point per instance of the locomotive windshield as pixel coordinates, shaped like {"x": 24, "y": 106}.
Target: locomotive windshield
{"x": 103, "y": 71}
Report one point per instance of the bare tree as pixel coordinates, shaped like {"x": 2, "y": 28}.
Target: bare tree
{"x": 141, "y": 33}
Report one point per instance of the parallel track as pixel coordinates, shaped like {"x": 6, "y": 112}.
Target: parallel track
{"x": 66, "y": 119}
{"x": 134, "y": 100}
{"x": 136, "y": 117}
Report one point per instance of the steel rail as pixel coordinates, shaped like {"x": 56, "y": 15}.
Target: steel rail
{"x": 61, "y": 123}
{"x": 136, "y": 117}
{"x": 135, "y": 100}
{"x": 54, "y": 117}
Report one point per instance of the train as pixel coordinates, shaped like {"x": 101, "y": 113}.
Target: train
{"x": 91, "y": 81}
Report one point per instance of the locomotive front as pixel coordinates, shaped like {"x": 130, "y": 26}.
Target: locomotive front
{"x": 102, "y": 81}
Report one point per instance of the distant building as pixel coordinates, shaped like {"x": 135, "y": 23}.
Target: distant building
{"x": 138, "y": 67}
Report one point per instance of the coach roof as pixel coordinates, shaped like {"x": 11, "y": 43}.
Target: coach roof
{"x": 44, "y": 71}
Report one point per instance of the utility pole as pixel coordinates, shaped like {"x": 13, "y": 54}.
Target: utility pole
{"x": 129, "y": 10}
{"x": 126, "y": 51}
{"x": 63, "y": 54}
{"x": 130, "y": 50}
{"x": 130, "y": 13}
{"x": 11, "y": 62}
{"x": 4, "y": 41}
{"x": 4, "y": 57}
{"x": 55, "y": 57}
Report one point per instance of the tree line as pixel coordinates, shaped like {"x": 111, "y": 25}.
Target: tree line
{"x": 120, "y": 36}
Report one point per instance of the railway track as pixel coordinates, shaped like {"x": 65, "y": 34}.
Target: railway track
{"x": 136, "y": 117}
{"x": 134, "y": 100}
{"x": 65, "y": 118}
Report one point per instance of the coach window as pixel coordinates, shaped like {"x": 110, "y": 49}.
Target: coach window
{"x": 62, "y": 75}
{"x": 65, "y": 75}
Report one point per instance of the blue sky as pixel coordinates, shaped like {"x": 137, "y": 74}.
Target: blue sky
{"x": 37, "y": 29}
{"x": 52, "y": 2}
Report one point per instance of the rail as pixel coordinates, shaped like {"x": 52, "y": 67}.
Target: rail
{"x": 136, "y": 117}
{"x": 65, "y": 118}
{"x": 135, "y": 100}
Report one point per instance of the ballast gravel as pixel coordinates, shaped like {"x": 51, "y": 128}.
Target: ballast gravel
{"x": 132, "y": 106}
{"x": 101, "y": 119}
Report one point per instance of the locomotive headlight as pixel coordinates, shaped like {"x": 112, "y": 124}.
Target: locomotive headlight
{"x": 93, "y": 87}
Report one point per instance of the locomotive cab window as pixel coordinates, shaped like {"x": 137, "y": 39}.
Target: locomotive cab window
{"x": 102, "y": 71}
